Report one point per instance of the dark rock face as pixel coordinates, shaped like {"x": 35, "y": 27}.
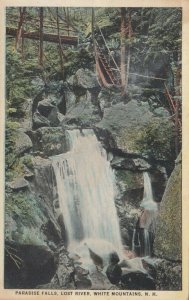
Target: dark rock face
{"x": 137, "y": 281}
{"x": 27, "y": 265}
{"x": 82, "y": 279}
{"x": 45, "y": 107}
{"x": 113, "y": 273}
{"x": 128, "y": 198}
{"x": 39, "y": 121}
{"x": 65, "y": 272}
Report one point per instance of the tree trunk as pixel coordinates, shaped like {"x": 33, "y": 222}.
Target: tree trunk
{"x": 60, "y": 45}
{"x": 68, "y": 20}
{"x": 123, "y": 51}
{"x": 128, "y": 51}
{"x": 92, "y": 29}
{"x": 20, "y": 27}
{"x": 41, "y": 36}
{"x": 178, "y": 92}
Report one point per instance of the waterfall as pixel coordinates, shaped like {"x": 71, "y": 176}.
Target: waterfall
{"x": 142, "y": 235}
{"x": 148, "y": 201}
{"x": 85, "y": 185}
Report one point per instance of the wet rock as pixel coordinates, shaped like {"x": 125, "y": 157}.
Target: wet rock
{"x": 50, "y": 141}
{"x": 129, "y": 195}
{"x": 51, "y": 231}
{"x": 137, "y": 281}
{"x": 23, "y": 143}
{"x": 114, "y": 258}
{"x": 113, "y": 273}
{"x": 65, "y": 272}
{"x": 141, "y": 164}
{"x": 82, "y": 278}
{"x": 150, "y": 265}
{"x": 100, "y": 281}
{"x": 127, "y": 162}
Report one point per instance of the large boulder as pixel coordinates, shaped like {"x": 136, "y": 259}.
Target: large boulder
{"x": 168, "y": 236}
{"x": 137, "y": 131}
{"x": 85, "y": 79}
{"x": 18, "y": 184}
{"x": 168, "y": 239}
{"x": 49, "y": 140}
{"x": 137, "y": 281}
{"x": 48, "y": 108}
{"x": 26, "y": 266}
{"x": 83, "y": 114}
{"x": 65, "y": 272}
{"x": 23, "y": 143}
{"x": 45, "y": 107}
{"x": 39, "y": 121}
{"x": 29, "y": 211}
{"x": 124, "y": 121}
{"x": 70, "y": 100}
{"x": 26, "y": 122}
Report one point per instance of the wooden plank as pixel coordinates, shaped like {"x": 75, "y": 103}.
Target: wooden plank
{"x": 47, "y": 37}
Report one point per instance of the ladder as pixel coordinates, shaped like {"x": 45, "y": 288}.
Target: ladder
{"x": 111, "y": 77}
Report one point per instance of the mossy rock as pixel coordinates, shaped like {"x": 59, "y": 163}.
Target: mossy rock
{"x": 50, "y": 141}
{"x": 168, "y": 239}
{"x": 136, "y": 130}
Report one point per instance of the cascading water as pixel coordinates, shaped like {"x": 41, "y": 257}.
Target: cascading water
{"x": 148, "y": 200}
{"x": 141, "y": 242}
{"x": 85, "y": 184}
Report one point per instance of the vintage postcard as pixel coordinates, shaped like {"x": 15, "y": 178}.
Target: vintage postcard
{"x": 94, "y": 140}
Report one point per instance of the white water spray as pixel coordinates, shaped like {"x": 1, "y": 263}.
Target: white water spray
{"x": 148, "y": 201}
{"x": 85, "y": 184}
{"x": 146, "y": 223}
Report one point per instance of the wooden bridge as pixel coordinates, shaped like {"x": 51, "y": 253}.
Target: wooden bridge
{"x": 47, "y": 37}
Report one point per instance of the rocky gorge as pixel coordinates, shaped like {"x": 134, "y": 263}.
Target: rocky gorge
{"x": 36, "y": 238}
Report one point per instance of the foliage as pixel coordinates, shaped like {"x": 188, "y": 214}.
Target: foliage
{"x": 10, "y": 137}
{"x": 78, "y": 59}
{"x": 28, "y": 161}
{"x": 25, "y": 206}
{"x": 156, "y": 139}
{"x": 18, "y": 81}
{"x": 18, "y": 204}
